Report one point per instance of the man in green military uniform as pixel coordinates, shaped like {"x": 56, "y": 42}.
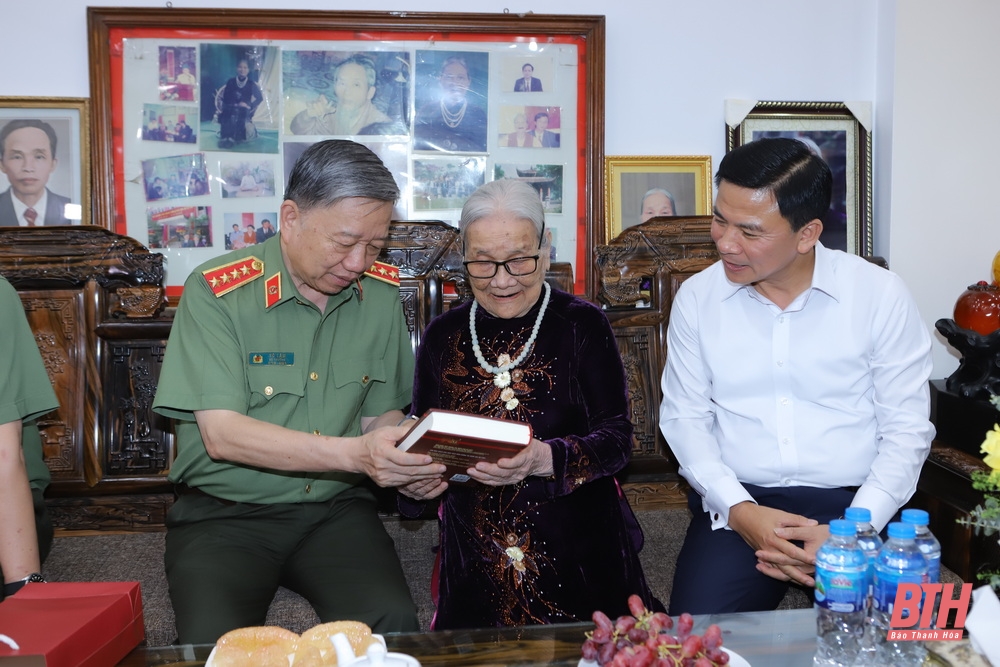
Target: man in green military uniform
{"x": 287, "y": 370}
{"x": 25, "y": 394}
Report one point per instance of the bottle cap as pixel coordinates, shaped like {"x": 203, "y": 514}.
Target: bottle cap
{"x": 917, "y": 517}
{"x": 842, "y": 527}
{"x": 902, "y": 531}
{"x": 858, "y": 514}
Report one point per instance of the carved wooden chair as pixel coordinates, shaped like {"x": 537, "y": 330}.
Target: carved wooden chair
{"x": 94, "y": 300}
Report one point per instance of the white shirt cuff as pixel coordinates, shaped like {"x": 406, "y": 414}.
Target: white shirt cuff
{"x": 878, "y": 502}
{"x": 725, "y": 494}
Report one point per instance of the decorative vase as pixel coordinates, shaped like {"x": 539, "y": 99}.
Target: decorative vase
{"x": 978, "y": 307}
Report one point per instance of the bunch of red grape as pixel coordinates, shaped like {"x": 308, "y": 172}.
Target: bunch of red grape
{"x": 644, "y": 640}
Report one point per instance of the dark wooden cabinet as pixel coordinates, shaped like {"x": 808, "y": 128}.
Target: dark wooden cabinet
{"x": 945, "y": 485}
{"x": 95, "y": 302}
{"x": 638, "y": 274}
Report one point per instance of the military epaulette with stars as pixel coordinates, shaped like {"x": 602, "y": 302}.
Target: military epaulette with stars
{"x": 387, "y": 273}
{"x": 224, "y": 279}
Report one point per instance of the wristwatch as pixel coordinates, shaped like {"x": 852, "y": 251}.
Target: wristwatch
{"x": 15, "y": 586}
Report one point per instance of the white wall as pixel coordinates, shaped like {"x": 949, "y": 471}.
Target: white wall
{"x": 672, "y": 64}
{"x": 944, "y": 153}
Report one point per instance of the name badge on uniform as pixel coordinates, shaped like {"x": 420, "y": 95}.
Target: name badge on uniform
{"x": 272, "y": 358}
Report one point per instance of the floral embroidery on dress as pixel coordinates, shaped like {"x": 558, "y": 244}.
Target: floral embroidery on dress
{"x": 517, "y": 549}
{"x": 515, "y": 561}
{"x": 579, "y": 468}
{"x": 513, "y": 557}
{"x": 506, "y": 395}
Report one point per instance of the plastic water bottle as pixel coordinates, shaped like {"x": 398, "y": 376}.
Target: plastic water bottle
{"x": 841, "y": 589}
{"x": 928, "y": 544}
{"x": 899, "y": 561}
{"x": 868, "y": 539}
{"x": 870, "y": 543}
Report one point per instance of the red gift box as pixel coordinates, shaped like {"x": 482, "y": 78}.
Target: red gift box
{"x": 72, "y": 625}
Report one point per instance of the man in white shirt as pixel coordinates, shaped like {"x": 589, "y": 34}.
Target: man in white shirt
{"x": 795, "y": 386}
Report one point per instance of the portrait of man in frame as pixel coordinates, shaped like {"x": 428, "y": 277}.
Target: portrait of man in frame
{"x": 346, "y": 93}
{"x": 37, "y": 171}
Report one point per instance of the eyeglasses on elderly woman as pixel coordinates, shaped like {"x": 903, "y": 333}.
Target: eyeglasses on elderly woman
{"x": 516, "y": 266}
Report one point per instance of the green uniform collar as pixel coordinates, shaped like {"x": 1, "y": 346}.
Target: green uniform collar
{"x": 277, "y": 278}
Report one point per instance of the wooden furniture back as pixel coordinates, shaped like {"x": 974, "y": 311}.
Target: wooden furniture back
{"x": 95, "y": 301}
{"x": 638, "y": 274}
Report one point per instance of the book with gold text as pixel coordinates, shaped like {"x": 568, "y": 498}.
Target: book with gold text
{"x": 459, "y": 440}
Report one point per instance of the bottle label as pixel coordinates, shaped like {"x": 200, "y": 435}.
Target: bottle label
{"x": 886, "y": 584}
{"x": 839, "y": 590}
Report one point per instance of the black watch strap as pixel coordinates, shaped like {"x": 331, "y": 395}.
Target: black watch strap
{"x": 15, "y": 586}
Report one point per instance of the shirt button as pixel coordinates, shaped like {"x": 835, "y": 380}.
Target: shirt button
{"x": 316, "y": 432}
{"x": 785, "y": 482}
{"x": 784, "y": 401}
{"x": 314, "y": 376}
{"x": 784, "y": 441}
{"x": 781, "y": 320}
{"x": 308, "y": 488}
{"x": 268, "y": 390}
{"x": 364, "y": 379}
{"x": 781, "y": 363}
{"x": 715, "y": 517}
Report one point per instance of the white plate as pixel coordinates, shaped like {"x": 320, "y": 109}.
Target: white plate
{"x": 735, "y": 660}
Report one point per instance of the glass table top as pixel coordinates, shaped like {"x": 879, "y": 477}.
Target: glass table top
{"x": 773, "y": 638}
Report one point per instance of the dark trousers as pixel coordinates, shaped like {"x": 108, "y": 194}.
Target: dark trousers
{"x": 716, "y": 570}
{"x": 226, "y": 560}
{"x": 233, "y": 123}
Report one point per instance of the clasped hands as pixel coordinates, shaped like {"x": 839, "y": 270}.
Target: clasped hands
{"x": 535, "y": 459}
{"x": 772, "y": 534}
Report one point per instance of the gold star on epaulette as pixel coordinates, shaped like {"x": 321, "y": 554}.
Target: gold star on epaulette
{"x": 387, "y": 273}
{"x": 224, "y": 279}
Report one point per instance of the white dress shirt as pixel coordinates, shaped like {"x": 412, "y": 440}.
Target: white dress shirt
{"x": 830, "y": 392}
{"x": 20, "y": 207}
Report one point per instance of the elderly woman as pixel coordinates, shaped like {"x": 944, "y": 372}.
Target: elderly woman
{"x": 546, "y": 536}
{"x": 454, "y": 120}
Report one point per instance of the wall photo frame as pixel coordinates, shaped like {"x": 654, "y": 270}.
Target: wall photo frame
{"x": 640, "y": 187}
{"x": 45, "y": 163}
{"x": 434, "y": 73}
{"x": 840, "y": 133}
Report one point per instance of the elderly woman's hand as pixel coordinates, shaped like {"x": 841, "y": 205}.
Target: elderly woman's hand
{"x": 424, "y": 489}
{"x": 535, "y": 459}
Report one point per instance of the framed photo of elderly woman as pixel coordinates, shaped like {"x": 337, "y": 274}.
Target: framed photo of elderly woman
{"x": 44, "y": 161}
{"x": 416, "y": 88}
{"x": 640, "y": 187}
{"x": 838, "y": 132}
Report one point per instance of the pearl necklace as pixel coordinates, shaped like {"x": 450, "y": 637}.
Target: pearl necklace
{"x": 241, "y": 85}
{"x": 501, "y": 372}
{"x": 453, "y": 119}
